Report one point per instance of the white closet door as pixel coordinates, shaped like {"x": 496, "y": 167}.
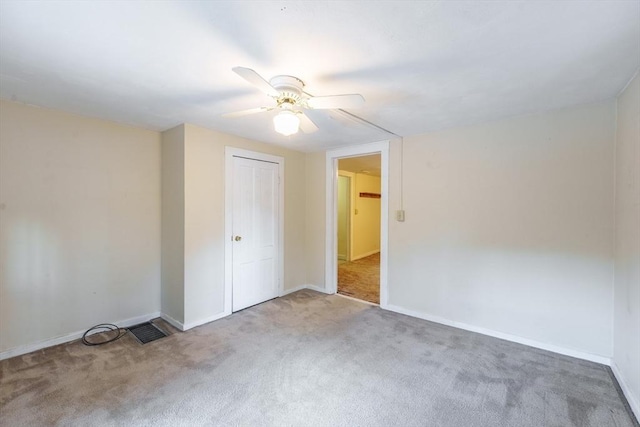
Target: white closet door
{"x": 255, "y": 232}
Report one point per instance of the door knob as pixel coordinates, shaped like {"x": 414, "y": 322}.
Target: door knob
{"x": 238, "y": 238}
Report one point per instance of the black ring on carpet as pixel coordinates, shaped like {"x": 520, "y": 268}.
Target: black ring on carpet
{"x": 107, "y": 327}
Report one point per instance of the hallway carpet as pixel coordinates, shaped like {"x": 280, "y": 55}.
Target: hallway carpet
{"x": 360, "y": 278}
{"x": 308, "y": 359}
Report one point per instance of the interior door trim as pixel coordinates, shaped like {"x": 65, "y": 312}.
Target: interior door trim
{"x": 229, "y": 154}
{"x": 331, "y": 246}
{"x": 350, "y": 219}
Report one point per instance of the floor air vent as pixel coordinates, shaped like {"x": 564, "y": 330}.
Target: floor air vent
{"x": 146, "y": 332}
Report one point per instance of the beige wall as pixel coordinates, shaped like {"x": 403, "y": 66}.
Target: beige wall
{"x": 366, "y": 223}
{"x": 509, "y": 224}
{"x": 81, "y": 232}
{"x": 315, "y": 227}
{"x": 509, "y": 227}
{"x": 79, "y": 224}
{"x": 173, "y": 173}
{"x": 626, "y": 355}
{"x": 204, "y": 224}
{"x": 203, "y": 234}
{"x": 344, "y": 214}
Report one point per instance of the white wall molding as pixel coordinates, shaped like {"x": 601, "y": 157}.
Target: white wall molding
{"x": 633, "y": 400}
{"x": 209, "y": 319}
{"x": 484, "y": 331}
{"x": 501, "y": 335}
{"x": 318, "y": 289}
{"x": 18, "y": 351}
{"x": 305, "y": 286}
{"x": 628, "y": 83}
{"x": 292, "y": 290}
{"x": 24, "y": 349}
{"x": 352, "y": 204}
{"x": 507, "y": 337}
{"x": 626, "y": 242}
{"x": 173, "y": 322}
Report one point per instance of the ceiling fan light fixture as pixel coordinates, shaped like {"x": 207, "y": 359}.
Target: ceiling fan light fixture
{"x": 286, "y": 122}
{"x": 291, "y": 101}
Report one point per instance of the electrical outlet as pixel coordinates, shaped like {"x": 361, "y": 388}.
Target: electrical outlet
{"x": 400, "y": 216}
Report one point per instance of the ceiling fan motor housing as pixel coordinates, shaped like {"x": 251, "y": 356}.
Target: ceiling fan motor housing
{"x": 290, "y": 89}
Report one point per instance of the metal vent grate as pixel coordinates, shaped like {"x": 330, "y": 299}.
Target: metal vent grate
{"x": 146, "y": 332}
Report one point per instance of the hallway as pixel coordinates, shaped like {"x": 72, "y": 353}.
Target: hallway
{"x": 360, "y": 278}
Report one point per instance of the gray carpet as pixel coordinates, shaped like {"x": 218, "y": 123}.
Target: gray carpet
{"x": 308, "y": 360}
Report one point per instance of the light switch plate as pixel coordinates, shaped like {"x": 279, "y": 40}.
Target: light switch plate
{"x": 400, "y": 216}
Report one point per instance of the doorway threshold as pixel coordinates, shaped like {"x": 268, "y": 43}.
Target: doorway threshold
{"x": 358, "y": 300}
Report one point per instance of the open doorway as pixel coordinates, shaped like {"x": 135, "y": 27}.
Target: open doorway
{"x": 331, "y": 248}
{"x": 359, "y": 190}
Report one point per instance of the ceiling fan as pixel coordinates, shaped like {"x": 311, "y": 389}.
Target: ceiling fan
{"x": 291, "y": 101}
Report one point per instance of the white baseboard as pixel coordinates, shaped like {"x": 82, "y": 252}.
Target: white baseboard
{"x": 484, "y": 331}
{"x": 292, "y": 290}
{"x": 514, "y": 338}
{"x": 358, "y": 300}
{"x": 305, "y": 286}
{"x": 366, "y": 254}
{"x": 173, "y": 322}
{"x": 631, "y": 398}
{"x": 317, "y": 289}
{"x": 28, "y": 348}
{"x": 199, "y": 322}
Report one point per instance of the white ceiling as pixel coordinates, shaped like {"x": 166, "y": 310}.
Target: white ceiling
{"x": 369, "y": 165}
{"x": 421, "y": 66}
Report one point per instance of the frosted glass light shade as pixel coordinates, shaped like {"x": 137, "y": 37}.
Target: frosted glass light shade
{"x": 286, "y": 123}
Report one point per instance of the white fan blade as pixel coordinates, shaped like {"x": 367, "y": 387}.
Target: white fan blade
{"x": 247, "y": 112}
{"x": 336, "y": 101}
{"x": 256, "y": 79}
{"x": 306, "y": 124}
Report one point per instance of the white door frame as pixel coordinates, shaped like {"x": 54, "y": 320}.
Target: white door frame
{"x": 331, "y": 241}
{"x": 351, "y": 203}
{"x": 230, "y": 153}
